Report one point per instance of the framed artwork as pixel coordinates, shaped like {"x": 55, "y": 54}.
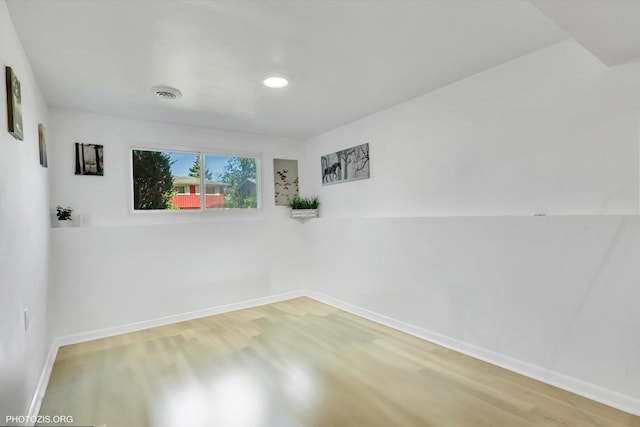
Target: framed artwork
{"x": 43, "y": 146}
{"x": 347, "y": 165}
{"x": 89, "y": 159}
{"x": 285, "y": 180}
{"x": 14, "y": 105}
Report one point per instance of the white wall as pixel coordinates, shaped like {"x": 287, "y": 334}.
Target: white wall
{"x": 109, "y": 276}
{"x": 553, "y": 132}
{"x": 24, "y": 235}
{"x": 128, "y": 267}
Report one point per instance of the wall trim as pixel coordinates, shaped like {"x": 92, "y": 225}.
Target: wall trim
{"x": 41, "y": 388}
{"x": 175, "y": 318}
{"x": 591, "y": 391}
{"x": 43, "y": 382}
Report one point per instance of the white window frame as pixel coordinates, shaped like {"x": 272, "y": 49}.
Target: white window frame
{"x": 200, "y": 152}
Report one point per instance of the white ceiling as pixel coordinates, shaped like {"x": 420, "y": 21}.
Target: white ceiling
{"x": 344, "y": 59}
{"x": 610, "y": 29}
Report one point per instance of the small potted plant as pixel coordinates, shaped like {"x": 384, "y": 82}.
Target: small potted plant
{"x": 64, "y": 216}
{"x": 304, "y": 207}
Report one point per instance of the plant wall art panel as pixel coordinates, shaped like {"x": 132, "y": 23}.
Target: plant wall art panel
{"x": 285, "y": 178}
{"x": 14, "y": 105}
{"x": 89, "y": 159}
{"x": 42, "y": 145}
{"x": 345, "y": 165}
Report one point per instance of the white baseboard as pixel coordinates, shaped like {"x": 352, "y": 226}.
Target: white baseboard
{"x": 146, "y": 324}
{"x": 591, "y": 391}
{"x": 43, "y": 382}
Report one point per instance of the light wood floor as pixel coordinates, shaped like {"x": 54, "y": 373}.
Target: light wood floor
{"x": 298, "y": 363}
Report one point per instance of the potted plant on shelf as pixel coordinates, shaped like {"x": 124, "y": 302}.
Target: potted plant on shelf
{"x": 304, "y": 207}
{"x": 64, "y": 216}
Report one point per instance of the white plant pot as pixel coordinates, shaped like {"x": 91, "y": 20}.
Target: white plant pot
{"x": 304, "y": 213}
{"x": 65, "y": 223}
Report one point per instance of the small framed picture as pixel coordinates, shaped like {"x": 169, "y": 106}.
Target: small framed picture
{"x": 89, "y": 159}
{"x": 14, "y": 105}
{"x": 347, "y": 165}
{"x": 285, "y": 179}
{"x": 43, "y": 146}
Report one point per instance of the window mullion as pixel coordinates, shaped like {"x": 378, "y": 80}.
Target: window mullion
{"x": 203, "y": 182}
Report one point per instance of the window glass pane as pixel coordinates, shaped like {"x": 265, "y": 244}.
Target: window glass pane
{"x": 231, "y": 182}
{"x": 165, "y": 180}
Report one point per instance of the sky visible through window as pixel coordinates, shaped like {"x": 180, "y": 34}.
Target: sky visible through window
{"x": 183, "y": 161}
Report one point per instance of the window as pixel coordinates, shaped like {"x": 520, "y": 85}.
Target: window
{"x": 167, "y": 180}
{"x": 231, "y": 182}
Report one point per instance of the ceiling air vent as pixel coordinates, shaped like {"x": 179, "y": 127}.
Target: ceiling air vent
{"x": 166, "y": 92}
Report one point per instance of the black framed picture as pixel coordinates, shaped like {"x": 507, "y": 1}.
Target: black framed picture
{"x": 14, "y": 105}
{"x": 43, "y": 146}
{"x": 89, "y": 159}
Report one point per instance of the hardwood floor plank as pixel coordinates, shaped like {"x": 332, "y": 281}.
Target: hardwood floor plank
{"x": 299, "y": 363}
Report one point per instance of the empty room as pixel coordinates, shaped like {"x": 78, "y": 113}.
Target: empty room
{"x": 256, "y": 213}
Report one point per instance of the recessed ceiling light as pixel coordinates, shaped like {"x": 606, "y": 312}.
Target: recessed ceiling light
{"x": 275, "y": 82}
{"x": 166, "y": 92}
